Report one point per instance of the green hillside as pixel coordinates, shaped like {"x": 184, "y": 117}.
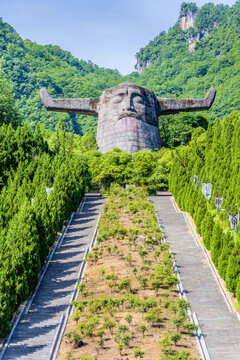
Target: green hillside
{"x": 170, "y": 68}
{"x": 30, "y": 66}
{"x": 177, "y": 63}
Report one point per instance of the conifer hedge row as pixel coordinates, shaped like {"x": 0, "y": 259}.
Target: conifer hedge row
{"x": 30, "y": 218}
{"x": 215, "y": 155}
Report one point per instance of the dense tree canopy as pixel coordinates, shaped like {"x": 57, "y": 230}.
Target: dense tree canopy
{"x": 30, "y": 217}
{"x": 170, "y": 69}
{"x": 43, "y": 174}
{"x": 213, "y": 156}
{"x": 8, "y": 111}
{"x": 30, "y": 66}
{"x": 177, "y": 130}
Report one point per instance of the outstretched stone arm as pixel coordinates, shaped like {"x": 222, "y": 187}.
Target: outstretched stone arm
{"x": 173, "y": 106}
{"x": 87, "y": 106}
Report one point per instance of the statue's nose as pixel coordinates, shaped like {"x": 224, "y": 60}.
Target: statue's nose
{"x": 128, "y": 105}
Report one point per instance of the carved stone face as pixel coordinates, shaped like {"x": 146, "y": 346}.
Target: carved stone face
{"x": 128, "y": 119}
{"x": 127, "y": 114}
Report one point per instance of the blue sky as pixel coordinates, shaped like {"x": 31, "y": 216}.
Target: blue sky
{"x": 107, "y": 32}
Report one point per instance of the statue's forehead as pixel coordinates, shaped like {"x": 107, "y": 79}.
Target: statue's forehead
{"x": 127, "y": 88}
{"x": 122, "y": 89}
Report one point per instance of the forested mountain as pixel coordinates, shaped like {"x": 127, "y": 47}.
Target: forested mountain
{"x": 30, "y": 66}
{"x": 201, "y": 50}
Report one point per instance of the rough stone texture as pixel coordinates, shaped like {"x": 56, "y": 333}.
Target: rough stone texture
{"x": 127, "y": 114}
{"x": 141, "y": 68}
{"x": 173, "y": 106}
{"x": 220, "y": 327}
{"x": 128, "y": 119}
{"x": 198, "y": 37}
{"x": 77, "y": 106}
{"x": 187, "y": 21}
{"x": 191, "y": 44}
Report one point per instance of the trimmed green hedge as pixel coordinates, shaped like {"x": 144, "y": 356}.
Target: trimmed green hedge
{"x": 215, "y": 155}
{"x": 29, "y": 218}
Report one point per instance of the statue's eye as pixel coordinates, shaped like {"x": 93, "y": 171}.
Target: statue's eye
{"x": 138, "y": 100}
{"x": 117, "y": 99}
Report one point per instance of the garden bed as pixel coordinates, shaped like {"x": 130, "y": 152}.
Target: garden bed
{"x": 128, "y": 306}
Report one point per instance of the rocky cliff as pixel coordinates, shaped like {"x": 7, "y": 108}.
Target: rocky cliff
{"x": 187, "y": 20}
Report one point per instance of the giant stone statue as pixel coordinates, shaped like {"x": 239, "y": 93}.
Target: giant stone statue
{"x": 127, "y": 114}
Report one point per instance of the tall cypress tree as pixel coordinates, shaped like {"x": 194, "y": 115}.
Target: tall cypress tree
{"x": 206, "y": 229}
{"x": 238, "y": 289}
{"x": 227, "y": 248}
{"x": 200, "y": 210}
{"x": 233, "y": 269}
{"x": 23, "y": 239}
{"x": 8, "y": 297}
{"x": 216, "y": 243}
{"x": 43, "y": 221}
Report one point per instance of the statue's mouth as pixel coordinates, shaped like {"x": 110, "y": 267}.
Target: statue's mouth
{"x": 128, "y": 114}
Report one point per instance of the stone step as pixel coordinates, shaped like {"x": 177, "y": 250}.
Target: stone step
{"x": 220, "y": 327}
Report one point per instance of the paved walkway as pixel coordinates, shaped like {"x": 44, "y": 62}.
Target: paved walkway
{"x": 220, "y": 327}
{"x": 36, "y": 333}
